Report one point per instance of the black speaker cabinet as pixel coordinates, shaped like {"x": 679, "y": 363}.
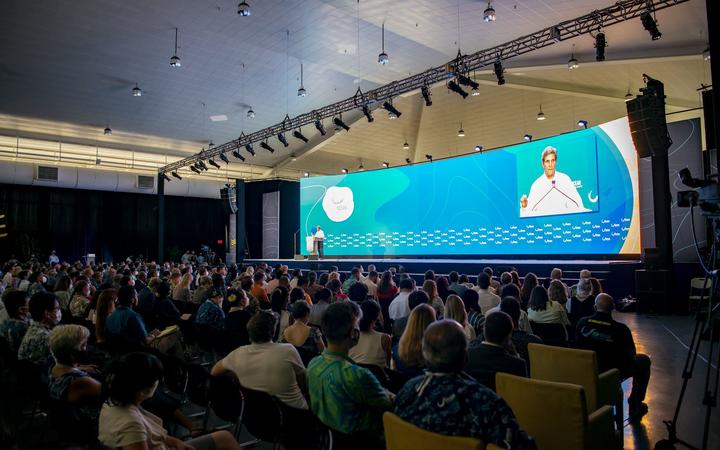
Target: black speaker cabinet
{"x": 648, "y": 128}
{"x": 653, "y": 290}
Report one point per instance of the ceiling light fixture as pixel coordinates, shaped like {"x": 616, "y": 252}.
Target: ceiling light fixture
{"x": 194, "y": 169}
{"x": 344, "y": 170}
{"x": 265, "y": 145}
{"x": 527, "y": 137}
{"x": 489, "y": 13}
{"x": 320, "y": 127}
{"x": 368, "y": 113}
{"x": 461, "y": 132}
{"x": 541, "y": 114}
{"x": 306, "y": 174}
{"x": 383, "y": 57}
{"x": 281, "y": 138}
{"x": 249, "y": 148}
{"x": 244, "y": 9}
{"x": 478, "y": 148}
{"x": 629, "y": 96}
{"x": 301, "y": 92}
{"x": 582, "y": 123}
{"x": 498, "y": 69}
{"x": 706, "y": 54}
{"x": 453, "y": 86}
{"x": 175, "y": 60}
{"x": 573, "y": 62}
{"x": 426, "y": 95}
{"x": 298, "y": 135}
{"x": 224, "y": 158}
{"x": 213, "y": 163}
{"x": 466, "y": 81}
{"x": 393, "y": 112}
{"x": 339, "y": 123}
{"x": 136, "y": 91}
{"x": 107, "y": 131}
{"x": 650, "y": 25}
{"x": 406, "y": 146}
{"x": 251, "y": 113}
{"x": 237, "y": 154}
{"x": 600, "y": 44}
{"x": 361, "y": 168}
{"x": 385, "y": 164}
{"x": 175, "y": 174}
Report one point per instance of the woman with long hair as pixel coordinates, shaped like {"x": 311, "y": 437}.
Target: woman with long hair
{"x": 105, "y": 307}
{"x": 62, "y": 291}
{"x": 407, "y": 354}
{"x": 443, "y": 287}
{"x": 557, "y": 292}
{"x": 181, "y": 292}
{"x": 81, "y": 300}
{"x": 430, "y": 288}
{"x": 373, "y": 348}
{"x": 542, "y": 310}
{"x": 527, "y": 287}
{"x": 278, "y": 304}
{"x": 455, "y": 310}
{"x": 306, "y": 339}
{"x": 582, "y": 304}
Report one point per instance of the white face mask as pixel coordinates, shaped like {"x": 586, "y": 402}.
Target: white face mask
{"x": 44, "y": 280}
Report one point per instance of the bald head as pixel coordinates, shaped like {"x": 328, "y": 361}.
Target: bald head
{"x": 604, "y": 303}
{"x": 444, "y": 346}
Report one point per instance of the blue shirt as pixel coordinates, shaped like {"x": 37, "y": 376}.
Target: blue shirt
{"x": 211, "y": 314}
{"x": 126, "y": 323}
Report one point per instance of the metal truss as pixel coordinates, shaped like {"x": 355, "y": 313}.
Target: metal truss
{"x": 593, "y": 22}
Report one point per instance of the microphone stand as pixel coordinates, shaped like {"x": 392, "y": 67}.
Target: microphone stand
{"x": 548, "y": 193}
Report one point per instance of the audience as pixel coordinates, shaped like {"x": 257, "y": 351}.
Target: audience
{"x": 279, "y": 301}
{"x": 529, "y": 283}
{"x": 124, "y": 324}
{"x": 323, "y": 297}
{"x": 486, "y": 298}
{"x": 181, "y": 292}
{"x": 80, "y": 302}
{"x": 407, "y": 354}
{"x": 455, "y": 285}
{"x": 494, "y": 284}
{"x": 475, "y": 317}
{"x": 472, "y": 410}
{"x": 400, "y": 307}
{"x": 455, "y": 310}
{"x": 371, "y": 282}
{"x": 165, "y": 312}
{"x": 105, "y": 307}
{"x": 211, "y": 313}
{"x": 582, "y": 304}
{"x": 14, "y": 328}
{"x": 373, "y": 348}
{"x": 430, "y": 288}
{"x": 443, "y": 286}
{"x": 258, "y": 289}
{"x": 520, "y": 338}
{"x": 306, "y": 339}
{"x": 542, "y": 310}
{"x": 45, "y": 312}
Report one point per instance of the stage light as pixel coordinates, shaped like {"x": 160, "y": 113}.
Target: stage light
{"x": 650, "y": 25}
{"x": 244, "y": 9}
{"x": 249, "y": 148}
{"x": 600, "y": 44}
{"x": 265, "y": 145}
{"x": 541, "y": 114}
{"x": 428, "y": 157}
{"x": 489, "y": 14}
{"x": 385, "y": 164}
{"x": 293, "y": 158}
{"x": 706, "y": 54}
{"x": 475, "y": 92}
{"x": 194, "y": 169}
{"x": 465, "y": 81}
{"x": 306, "y": 174}
{"x": 406, "y": 146}
{"x": 298, "y": 135}
{"x": 478, "y": 148}
{"x": 213, "y": 163}
{"x": 361, "y": 168}
{"x": 498, "y": 69}
{"x": 383, "y": 57}
{"x": 224, "y": 158}
{"x": 175, "y": 174}
{"x": 393, "y": 113}
{"x": 344, "y": 170}
{"x": 407, "y": 160}
{"x": 107, "y": 131}
{"x": 320, "y": 127}
{"x": 582, "y": 123}
{"x": 426, "y": 95}
{"x": 281, "y": 138}
{"x": 136, "y": 91}
{"x": 461, "y": 132}
{"x": 211, "y": 145}
{"x": 338, "y": 122}
{"x": 368, "y": 113}
{"x": 165, "y": 177}
{"x": 301, "y": 92}
{"x": 629, "y": 96}
{"x": 175, "y": 61}
{"x": 573, "y": 63}
{"x": 237, "y": 154}
{"x": 453, "y": 86}
{"x": 202, "y": 165}
{"x": 251, "y": 113}
{"x": 528, "y": 137}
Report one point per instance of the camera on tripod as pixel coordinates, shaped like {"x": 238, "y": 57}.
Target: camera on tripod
{"x": 706, "y": 194}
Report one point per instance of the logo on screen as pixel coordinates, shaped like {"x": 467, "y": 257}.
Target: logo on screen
{"x": 338, "y": 203}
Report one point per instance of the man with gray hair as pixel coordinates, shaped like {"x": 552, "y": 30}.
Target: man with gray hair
{"x": 552, "y": 193}
{"x": 613, "y": 343}
{"x": 585, "y": 275}
{"x": 447, "y": 401}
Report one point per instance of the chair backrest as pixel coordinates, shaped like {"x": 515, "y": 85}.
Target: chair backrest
{"x": 700, "y": 284}
{"x": 554, "y": 414}
{"x": 402, "y": 435}
{"x": 225, "y": 398}
{"x": 550, "y": 333}
{"x": 262, "y": 415}
{"x": 566, "y": 365}
{"x": 198, "y": 384}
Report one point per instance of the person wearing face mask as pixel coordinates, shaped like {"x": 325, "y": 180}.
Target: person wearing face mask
{"x": 46, "y": 313}
{"x": 15, "y": 327}
{"x": 125, "y": 424}
{"x": 38, "y": 280}
{"x": 344, "y": 396}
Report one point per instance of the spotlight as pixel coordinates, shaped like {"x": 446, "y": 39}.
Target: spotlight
{"x": 211, "y": 145}
{"x": 385, "y": 164}
{"x": 136, "y": 91}
{"x": 406, "y": 146}
{"x": 368, "y": 113}
{"x": 600, "y": 44}
{"x": 224, "y": 158}
{"x": 541, "y": 114}
{"x": 650, "y": 25}
{"x": 175, "y": 61}
{"x": 237, "y": 154}
{"x": 582, "y": 123}
{"x": 264, "y": 145}
{"x": 407, "y": 160}
{"x": 213, "y": 163}
{"x": 383, "y": 57}
{"x": 573, "y": 63}
{"x": 194, "y": 169}
{"x": 301, "y": 91}
{"x": 498, "y": 69}
{"x": 465, "y": 81}
{"x": 426, "y": 95}
{"x": 478, "y": 148}
{"x": 461, "y": 132}
{"x": 244, "y": 9}
{"x": 393, "y": 113}
{"x": 251, "y": 113}
{"x": 281, "y": 138}
{"x": 528, "y": 137}
{"x": 107, "y": 131}
{"x": 203, "y": 166}
{"x": 361, "y": 168}
{"x": 338, "y": 122}
{"x": 298, "y": 135}
{"x": 628, "y": 96}
{"x": 175, "y": 174}
{"x": 475, "y": 92}
{"x": 344, "y": 170}
{"x": 165, "y": 177}
{"x": 453, "y": 86}
{"x": 306, "y": 174}
{"x": 320, "y": 127}
{"x": 293, "y": 157}
{"x": 489, "y": 14}
{"x": 706, "y": 54}
{"x": 249, "y": 148}
{"x": 428, "y": 157}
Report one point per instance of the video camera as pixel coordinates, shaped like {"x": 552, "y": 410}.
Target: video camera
{"x": 706, "y": 194}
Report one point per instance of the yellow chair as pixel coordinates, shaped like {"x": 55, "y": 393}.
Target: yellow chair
{"x": 570, "y": 365}
{"x": 402, "y": 435}
{"x": 556, "y": 415}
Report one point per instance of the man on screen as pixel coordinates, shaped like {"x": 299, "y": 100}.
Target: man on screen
{"x": 552, "y": 193}
{"x": 319, "y": 238}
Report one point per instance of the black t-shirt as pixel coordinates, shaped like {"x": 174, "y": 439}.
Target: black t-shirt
{"x": 611, "y": 340}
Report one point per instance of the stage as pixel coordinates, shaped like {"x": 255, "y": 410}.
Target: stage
{"x": 616, "y": 276}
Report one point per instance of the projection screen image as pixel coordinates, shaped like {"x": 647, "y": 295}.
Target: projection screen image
{"x": 572, "y": 194}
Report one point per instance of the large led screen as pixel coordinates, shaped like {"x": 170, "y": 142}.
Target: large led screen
{"x": 576, "y": 193}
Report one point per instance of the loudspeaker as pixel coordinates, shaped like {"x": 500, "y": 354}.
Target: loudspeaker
{"x": 229, "y": 199}
{"x": 653, "y": 289}
{"x": 648, "y": 128}
{"x": 651, "y": 258}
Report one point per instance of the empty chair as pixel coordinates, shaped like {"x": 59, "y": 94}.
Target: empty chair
{"x": 402, "y": 435}
{"x": 699, "y": 292}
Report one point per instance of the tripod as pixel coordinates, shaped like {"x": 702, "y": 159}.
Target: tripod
{"x": 706, "y": 321}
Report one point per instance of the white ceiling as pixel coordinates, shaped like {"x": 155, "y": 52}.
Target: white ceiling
{"x": 67, "y": 69}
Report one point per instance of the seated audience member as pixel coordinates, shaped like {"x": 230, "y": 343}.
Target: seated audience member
{"x": 585, "y": 275}
{"x": 181, "y": 292}
{"x": 238, "y": 316}
{"x": 486, "y": 298}
{"x": 582, "y": 304}
{"x": 542, "y": 310}
{"x": 415, "y": 299}
{"x": 505, "y": 279}
{"x": 358, "y": 292}
{"x": 46, "y": 313}
{"x": 211, "y": 313}
{"x": 494, "y": 284}
{"x": 557, "y": 293}
{"x": 597, "y": 288}
{"x": 407, "y": 353}
{"x": 373, "y": 348}
{"x": 509, "y": 290}
{"x": 80, "y": 301}
{"x": 429, "y": 275}
{"x": 399, "y": 307}
{"x": 455, "y": 310}
{"x": 443, "y": 286}
{"x": 613, "y": 342}
{"x": 105, "y": 307}
{"x": 475, "y": 317}
{"x": 278, "y": 305}
{"x": 371, "y": 282}
{"x": 296, "y": 294}
{"x": 38, "y": 280}
{"x": 528, "y": 285}
{"x": 556, "y": 274}
{"x": 515, "y": 278}
{"x": 520, "y": 338}
{"x": 275, "y": 281}
{"x": 126, "y": 425}
{"x": 62, "y": 291}
{"x": 353, "y": 278}
{"x": 147, "y": 295}
{"x": 430, "y": 288}
{"x": 21, "y": 281}
{"x": 313, "y": 286}
{"x": 258, "y": 289}
{"x": 166, "y": 313}
{"x": 493, "y": 354}
{"x": 306, "y": 339}
{"x": 323, "y": 298}
{"x": 323, "y": 279}
{"x": 344, "y": 396}
{"x": 387, "y": 289}
{"x": 14, "y": 328}
{"x": 456, "y": 285}
{"x": 124, "y": 323}
{"x": 294, "y": 277}
{"x": 475, "y": 411}
{"x": 201, "y": 293}
{"x": 303, "y": 284}
{"x": 77, "y": 394}
{"x": 335, "y": 287}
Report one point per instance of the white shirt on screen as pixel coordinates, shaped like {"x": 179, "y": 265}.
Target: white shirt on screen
{"x": 553, "y": 196}
{"x": 319, "y": 234}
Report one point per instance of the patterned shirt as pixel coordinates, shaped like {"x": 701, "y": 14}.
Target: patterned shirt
{"x": 34, "y": 346}
{"x": 211, "y": 314}
{"x": 457, "y": 405}
{"x": 345, "y": 396}
{"x": 13, "y": 330}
